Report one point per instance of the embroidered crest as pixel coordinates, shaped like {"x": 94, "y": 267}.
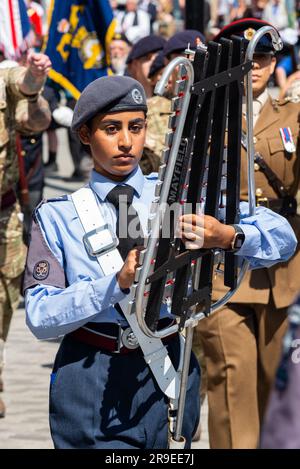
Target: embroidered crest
{"x": 41, "y": 270}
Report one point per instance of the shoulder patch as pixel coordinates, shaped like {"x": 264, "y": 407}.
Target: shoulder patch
{"x": 42, "y": 267}
{"x": 41, "y": 270}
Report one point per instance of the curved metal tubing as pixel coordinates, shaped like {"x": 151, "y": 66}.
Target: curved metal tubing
{"x": 159, "y": 90}
{"x": 277, "y": 44}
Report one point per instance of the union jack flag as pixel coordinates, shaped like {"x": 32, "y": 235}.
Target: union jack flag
{"x": 15, "y": 30}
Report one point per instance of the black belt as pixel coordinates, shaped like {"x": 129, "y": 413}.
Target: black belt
{"x": 112, "y": 337}
{"x": 286, "y": 206}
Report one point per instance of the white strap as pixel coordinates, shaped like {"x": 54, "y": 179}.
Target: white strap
{"x": 155, "y": 353}
{"x": 91, "y": 218}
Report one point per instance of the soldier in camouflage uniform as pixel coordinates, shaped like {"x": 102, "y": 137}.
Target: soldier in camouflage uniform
{"x": 140, "y": 61}
{"x": 22, "y": 109}
{"x": 159, "y": 110}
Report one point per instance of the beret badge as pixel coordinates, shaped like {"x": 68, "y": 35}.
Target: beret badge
{"x": 137, "y": 96}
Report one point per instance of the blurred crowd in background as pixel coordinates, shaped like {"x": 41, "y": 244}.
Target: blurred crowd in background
{"x": 135, "y": 21}
{"x": 144, "y": 39}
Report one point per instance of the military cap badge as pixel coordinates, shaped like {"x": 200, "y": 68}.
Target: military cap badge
{"x": 249, "y": 33}
{"x": 137, "y": 96}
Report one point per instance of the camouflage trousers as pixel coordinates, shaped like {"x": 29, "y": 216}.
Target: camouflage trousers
{"x": 12, "y": 260}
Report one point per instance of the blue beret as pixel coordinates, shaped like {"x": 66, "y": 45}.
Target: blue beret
{"x": 144, "y": 46}
{"x": 108, "y": 94}
{"x": 246, "y": 28}
{"x": 157, "y": 64}
{"x": 180, "y": 41}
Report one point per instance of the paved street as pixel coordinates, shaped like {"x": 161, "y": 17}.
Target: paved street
{"x": 29, "y": 361}
{"x": 28, "y": 365}
{"x": 26, "y": 377}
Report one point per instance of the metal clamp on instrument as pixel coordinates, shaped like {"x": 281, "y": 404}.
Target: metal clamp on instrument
{"x": 100, "y": 240}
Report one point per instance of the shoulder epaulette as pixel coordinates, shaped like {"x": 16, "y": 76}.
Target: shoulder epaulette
{"x": 292, "y": 99}
{"x": 56, "y": 199}
{"x": 283, "y": 102}
{"x": 278, "y": 103}
{"x": 52, "y": 199}
{"x": 151, "y": 176}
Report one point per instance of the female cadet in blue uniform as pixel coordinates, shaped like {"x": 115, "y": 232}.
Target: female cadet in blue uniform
{"x": 102, "y": 394}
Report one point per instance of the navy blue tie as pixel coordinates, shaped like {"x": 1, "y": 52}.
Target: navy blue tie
{"x": 121, "y": 197}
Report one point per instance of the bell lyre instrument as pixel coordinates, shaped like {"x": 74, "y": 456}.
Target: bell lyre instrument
{"x": 200, "y": 167}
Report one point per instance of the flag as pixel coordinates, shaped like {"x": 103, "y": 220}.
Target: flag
{"x": 77, "y": 44}
{"x": 35, "y": 13}
{"x": 15, "y": 30}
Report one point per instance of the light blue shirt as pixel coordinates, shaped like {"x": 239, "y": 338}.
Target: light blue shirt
{"x": 89, "y": 296}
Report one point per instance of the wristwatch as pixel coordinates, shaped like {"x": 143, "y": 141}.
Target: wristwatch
{"x": 238, "y": 239}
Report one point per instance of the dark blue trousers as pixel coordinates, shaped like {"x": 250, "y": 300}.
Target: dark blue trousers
{"x": 111, "y": 401}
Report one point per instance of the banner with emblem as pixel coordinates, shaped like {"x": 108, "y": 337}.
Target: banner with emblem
{"x": 77, "y": 43}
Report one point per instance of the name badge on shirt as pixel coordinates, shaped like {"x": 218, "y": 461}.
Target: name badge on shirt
{"x": 287, "y": 139}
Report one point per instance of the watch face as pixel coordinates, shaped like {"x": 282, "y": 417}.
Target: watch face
{"x": 239, "y": 240}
